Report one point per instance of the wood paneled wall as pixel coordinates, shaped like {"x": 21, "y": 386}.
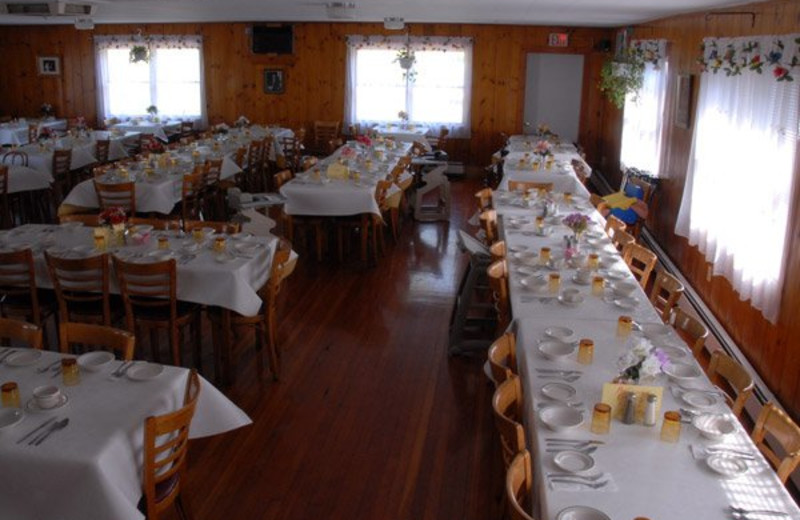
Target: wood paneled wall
{"x": 773, "y": 349}
{"x": 315, "y": 74}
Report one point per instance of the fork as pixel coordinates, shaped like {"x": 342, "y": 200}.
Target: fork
{"x": 48, "y": 367}
{"x": 568, "y": 378}
{"x": 744, "y": 512}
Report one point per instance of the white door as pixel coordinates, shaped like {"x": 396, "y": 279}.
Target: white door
{"x": 553, "y": 85}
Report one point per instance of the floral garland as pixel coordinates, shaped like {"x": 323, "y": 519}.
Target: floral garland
{"x": 153, "y": 41}
{"x": 414, "y": 43}
{"x": 734, "y": 56}
{"x": 649, "y": 51}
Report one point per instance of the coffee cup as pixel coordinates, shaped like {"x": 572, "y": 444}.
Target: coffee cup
{"x": 46, "y": 396}
{"x": 583, "y": 275}
{"x": 571, "y": 295}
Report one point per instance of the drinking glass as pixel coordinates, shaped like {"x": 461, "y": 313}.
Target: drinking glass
{"x": 99, "y": 235}
{"x": 671, "y": 427}
{"x": 554, "y": 282}
{"x": 598, "y": 283}
{"x": 601, "y": 418}
{"x": 70, "y": 373}
{"x": 624, "y": 326}
{"x": 544, "y": 255}
{"x": 10, "y": 395}
{"x": 593, "y": 261}
{"x": 586, "y": 351}
{"x": 163, "y": 242}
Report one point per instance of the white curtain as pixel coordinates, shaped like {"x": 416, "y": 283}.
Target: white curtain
{"x": 643, "y": 120}
{"x": 173, "y": 80}
{"x": 438, "y": 94}
{"x": 739, "y": 185}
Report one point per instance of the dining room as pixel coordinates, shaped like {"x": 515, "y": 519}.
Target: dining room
{"x": 395, "y": 289}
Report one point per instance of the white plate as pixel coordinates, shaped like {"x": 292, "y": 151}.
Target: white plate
{"x": 562, "y": 333}
{"x": 727, "y": 465}
{"x": 32, "y": 406}
{"x": 714, "y": 427}
{"x": 9, "y": 417}
{"x": 141, "y": 228}
{"x": 700, "y": 399}
{"x": 672, "y": 352}
{"x": 681, "y": 372}
{"x": 655, "y": 330}
{"x": 23, "y": 358}
{"x": 536, "y": 281}
{"x": 581, "y": 513}
{"x": 160, "y": 254}
{"x": 527, "y": 257}
{"x": 573, "y": 461}
{"x": 526, "y": 270}
{"x": 626, "y": 303}
{"x": 556, "y": 350}
{"x": 561, "y": 418}
{"x": 94, "y": 361}
{"x": 559, "y": 391}
{"x": 144, "y": 371}
{"x": 571, "y": 303}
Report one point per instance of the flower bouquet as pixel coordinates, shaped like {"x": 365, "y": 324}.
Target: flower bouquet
{"x": 641, "y": 363}
{"x": 577, "y": 223}
{"x": 403, "y": 115}
{"x": 47, "y": 110}
{"x": 241, "y": 122}
{"x": 544, "y": 130}
{"x": 543, "y": 149}
{"x": 365, "y": 140}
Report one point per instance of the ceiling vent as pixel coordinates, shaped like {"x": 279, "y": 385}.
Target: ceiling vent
{"x": 341, "y": 10}
{"x": 47, "y": 9}
{"x": 394, "y": 23}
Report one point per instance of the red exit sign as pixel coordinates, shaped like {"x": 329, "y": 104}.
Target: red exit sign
{"x": 558, "y": 40}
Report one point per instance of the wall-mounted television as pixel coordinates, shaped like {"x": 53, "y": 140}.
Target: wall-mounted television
{"x": 273, "y": 39}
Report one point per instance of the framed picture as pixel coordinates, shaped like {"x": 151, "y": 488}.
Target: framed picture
{"x": 683, "y": 101}
{"x": 274, "y": 81}
{"x": 49, "y": 65}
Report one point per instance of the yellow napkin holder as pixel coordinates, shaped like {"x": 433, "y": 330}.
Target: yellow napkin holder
{"x": 338, "y": 171}
{"x": 616, "y": 395}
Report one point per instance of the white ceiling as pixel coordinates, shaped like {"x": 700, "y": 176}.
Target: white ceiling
{"x": 601, "y": 13}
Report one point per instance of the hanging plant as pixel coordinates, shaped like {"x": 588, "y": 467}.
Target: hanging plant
{"x": 139, "y": 53}
{"x": 620, "y": 77}
{"x": 406, "y": 58}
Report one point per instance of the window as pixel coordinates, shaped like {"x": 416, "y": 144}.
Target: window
{"x": 643, "y": 121}
{"x": 739, "y": 183}
{"x": 171, "y": 79}
{"x": 434, "y": 92}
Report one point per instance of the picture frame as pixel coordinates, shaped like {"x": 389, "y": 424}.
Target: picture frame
{"x": 49, "y": 65}
{"x": 683, "y": 101}
{"x": 274, "y": 81}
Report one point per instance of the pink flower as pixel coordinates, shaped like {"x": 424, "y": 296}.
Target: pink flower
{"x": 780, "y": 72}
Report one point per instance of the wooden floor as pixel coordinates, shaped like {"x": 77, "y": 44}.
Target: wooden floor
{"x": 372, "y": 418}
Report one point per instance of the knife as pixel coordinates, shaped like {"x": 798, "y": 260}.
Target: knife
{"x": 48, "y": 421}
{"x": 57, "y": 426}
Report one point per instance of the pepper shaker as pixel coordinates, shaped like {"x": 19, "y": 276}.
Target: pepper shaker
{"x": 630, "y": 409}
{"x": 650, "y": 410}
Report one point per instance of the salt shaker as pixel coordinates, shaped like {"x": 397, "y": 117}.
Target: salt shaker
{"x": 630, "y": 409}
{"x": 650, "y": 410}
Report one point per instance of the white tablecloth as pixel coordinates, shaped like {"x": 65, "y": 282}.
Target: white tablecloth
{"x": 519, "y": 166}
{"x": 308, "y": 194}
{"x": 232, "y": 284}
{"x": 407, "y": 133}
{"x": 24, "y": 178}
{"x": 16, "y": 133}
{"x": 93, "y": 467}
{"x": 649, "y": 477}
{"x": 160, "y": 130}
{"x": 40, "y": 156}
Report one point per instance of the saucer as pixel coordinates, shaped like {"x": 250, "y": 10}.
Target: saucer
{"x": 23, "y": 358}
{"x": 571, "y": 303}
{"x": 579, "y": 281}
{"x": 32, "y": 406}
{"x": 626, "y": 303}
{"x": 559, "y": 391}
{"x": 727, "y": 465}
{"x": 573, "y": 461}
{"x": 561, "y": 333}
{"x": 581, "y": 513}
{"x": 10, "y": 417}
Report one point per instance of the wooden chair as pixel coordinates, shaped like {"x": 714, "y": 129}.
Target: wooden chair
{"x": 213, "y": 202}
{"x": 527, "y": 186}
{"x": 665, "y": 294}
{"x": 159, "y": 224}
{"x": 519, "y": 482}
{"x": 166, "y": 444}
{"x": 19, "y": 296}
{"x": 508, "y": 413}
{"x": 615, "y": 223}
{"x": 324, "y": 132}
{"x": 693, "y": 332}
{"x": 281, "y": 178}
{"x": 647, "y": 197}
{"x": 483, "y": 199}
{"x": 264, "y": 324}
{"x": 22, "y": 332}
{"x": 149, "y": 295}
{"x": 774, "y": 424}
{"x": 621, "y": 238}
{"x": 727, "y": 374}
{"x": 6, "y": 220}
{"x": 488, "y": 220}
{"x": 292, "y": 152}
{"x": 239, "y": 157}
{"x": 503, "y": 358}
{"x": 33, "y": 133}
{"x": 229, "y": 228}
{"x": 120, "y": 195}
{"x": 82, "y": 288}
{"x": 192, "y": 194}
{"x": 120, "y": 342}
{"x": 254, "y": 166}
{"x": 641, "y": 262}
{"x": 367, "y": 225}
{"x": 87, "y": 219}
{"x": 498, "y": 282}
{"x": 101, "y": 149}
{"x": 187, "y": 129}
{"x": 498, "y": 250}
{"x": 62, "y": 181}
{"x": 15, "y": 158}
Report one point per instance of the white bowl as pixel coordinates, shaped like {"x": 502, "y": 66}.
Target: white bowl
{"x": 562, "y": 333}
{"x": 625, "y": 288}
{"x": 571, "y": 296}
{"x": 561, "y": 418}
{"x": 682, "y": 372}
{"x": 94, "y": 361}
{"x": 556, "y": 350}
{"x": 714, "y": 427}
{"x": 534, "y": 282}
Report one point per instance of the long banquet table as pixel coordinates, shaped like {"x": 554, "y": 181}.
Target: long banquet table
{"x": 16, "y": 133}
{"x": 93, "y": 467}
{"x": 646, "y": 476}
{"x": 521, "y": 164}
{"x": 405, "y": 132}
{"x": 160, "y": 130}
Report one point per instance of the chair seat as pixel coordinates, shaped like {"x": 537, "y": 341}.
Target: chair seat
{"x": 167, "y": 487}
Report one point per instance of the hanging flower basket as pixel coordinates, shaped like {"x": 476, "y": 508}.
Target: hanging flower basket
{"x": 406, "y": 58}
{"x": 139, "y": 53}
{"x": 618, "y": 78}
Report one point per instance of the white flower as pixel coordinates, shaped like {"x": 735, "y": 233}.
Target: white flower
{"x": 651, "y": 367}
{"x": 642, "y": 348}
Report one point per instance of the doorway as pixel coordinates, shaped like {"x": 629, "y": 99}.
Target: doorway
{"x": 553, "y": 84}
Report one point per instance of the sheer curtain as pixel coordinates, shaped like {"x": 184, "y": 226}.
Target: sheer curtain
{"x": 173, "y": 80}
{"x": 438, "y": 95}
{"x": 739, "y": 185}
{"x": 643, "y": 120}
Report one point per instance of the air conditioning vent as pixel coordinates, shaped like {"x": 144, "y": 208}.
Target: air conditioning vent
{"x": 48, "y": 9}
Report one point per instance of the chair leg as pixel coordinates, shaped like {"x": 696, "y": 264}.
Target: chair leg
{"x": 154, "y": 346}
{"x": 175, "y": 342}
{"x": 197, "y": 342}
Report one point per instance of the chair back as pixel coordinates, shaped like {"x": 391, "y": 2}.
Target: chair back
{"x": 255, "y": 157}
{"x": 282, "y": 177}
{"x": 192, "y": 194}
{"x": 641, "y": 262}
{"x": 146, "y": 288}
{"x": 62, "y": 160}
{"x": 324, "y": 132}
{"x": 166, "y": 444}
{"x": 498, "y": 250}
{"x": 507, "y": 406}
{"x": 101, "y": 148}
{"x": 21, "y": 331}
{"x": 18, "y": 283}
{"x": 774, "y": 424}
{"x": 116, "y": 194}
{"x": 15, "y": 157}
{"x": 503, "y": 358}
{"x": 33, "y": 132}
{"x": 484, "y": 199}
{"x": 693, "y": 332}
{"x": 290, "y": 146}
{"x": 621, "y": 238}
{"x": 81, "y": 283}
{"x": 118, "y": 341}
{"x": 229, "y": 228}
{"x": 488, "y": 220}
{"x": 665, "y": 294}
{"x": 160, "y": 224}
{"x": 213, "y": 171}
{"x": 519, "y": 482}
{"x": 613, "y": 222}
{"x": 498, "y": 283}
{"x": 727, "y": 374}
